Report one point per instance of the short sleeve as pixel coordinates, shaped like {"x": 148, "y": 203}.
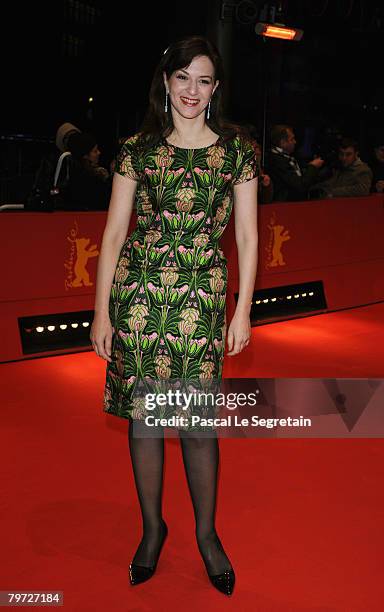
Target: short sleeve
{"x": 127, "y": 159}
{"x": 247, "y": 166}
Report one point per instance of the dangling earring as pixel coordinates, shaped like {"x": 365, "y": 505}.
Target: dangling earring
{"x": 166, "y": 102}
{"x": 209, "y": 109}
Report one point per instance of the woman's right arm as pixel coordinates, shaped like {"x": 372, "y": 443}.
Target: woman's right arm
{"x": 115, "y": 233}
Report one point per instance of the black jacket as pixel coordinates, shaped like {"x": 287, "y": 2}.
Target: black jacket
{"x": 86, "y": 190}
{"x": 288, "y": 186}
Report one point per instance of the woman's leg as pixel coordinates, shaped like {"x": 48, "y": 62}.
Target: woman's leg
{"x": 147, "y": 455}
{"x": 201, "y": 460}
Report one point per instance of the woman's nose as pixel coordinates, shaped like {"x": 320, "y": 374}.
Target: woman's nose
{"x": 192, "y": 87}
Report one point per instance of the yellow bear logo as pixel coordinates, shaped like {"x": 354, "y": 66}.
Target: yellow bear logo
{"x": 82, "y": 256}
{"x": 279, "y": 236}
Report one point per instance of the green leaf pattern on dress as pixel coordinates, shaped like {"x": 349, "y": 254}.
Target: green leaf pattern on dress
{"x": 167, "y": 300}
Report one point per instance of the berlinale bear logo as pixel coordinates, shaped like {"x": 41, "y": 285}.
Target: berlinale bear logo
{"x": 76, "y": 265}
{"x": 278, "y": 235}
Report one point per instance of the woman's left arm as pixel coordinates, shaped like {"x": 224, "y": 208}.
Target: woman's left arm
{"x": 245, "y": 206}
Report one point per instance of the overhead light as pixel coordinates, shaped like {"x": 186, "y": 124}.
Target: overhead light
{"x": 278, "y": 30}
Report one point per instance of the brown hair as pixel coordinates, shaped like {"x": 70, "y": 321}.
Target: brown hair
{"x": 157, "y": 123}
{"x": 279, "y": 133}
{"x": 345, "y": 143}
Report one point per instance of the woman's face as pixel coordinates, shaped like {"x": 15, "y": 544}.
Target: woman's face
{"x": 93, "y": 155}
{"x": 379, "y": 152}
{"x": 191, "y": 88}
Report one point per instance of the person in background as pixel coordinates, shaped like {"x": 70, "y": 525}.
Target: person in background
{"x": 290, "y": 182}
{"x": 351, "y": 178}
{"x": 377, "y": 166}
{"x": 265, "y": 186}
{"x": 85, "y": 149}
{"x": 40, "y": 195}
{"x": 90, "y": 184}
{"x": 64, "y": 132}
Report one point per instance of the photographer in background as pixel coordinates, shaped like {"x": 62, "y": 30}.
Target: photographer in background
{"x": 290, "y": 181}
{"x": 351, "y": 178}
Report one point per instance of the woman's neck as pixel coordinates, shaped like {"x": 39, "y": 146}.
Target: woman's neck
{"x": 188, "y": 134}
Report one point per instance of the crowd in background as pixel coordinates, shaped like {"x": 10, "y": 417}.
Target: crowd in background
{"x": 285, "y": 179}
{"x": 74, "y": 178}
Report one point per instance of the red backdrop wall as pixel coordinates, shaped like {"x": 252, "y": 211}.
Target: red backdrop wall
{"x": 49, "y": 260}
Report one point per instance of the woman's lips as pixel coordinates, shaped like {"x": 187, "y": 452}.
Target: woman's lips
{"x": 189, "y": 101}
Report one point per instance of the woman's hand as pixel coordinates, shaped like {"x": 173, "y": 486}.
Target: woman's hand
{"x": 239, "y": 333}
{"x": 101, "y": 336}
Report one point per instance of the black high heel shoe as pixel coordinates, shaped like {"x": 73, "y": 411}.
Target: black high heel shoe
{"x": 141, "y": 573}
{"x": 225, "y": 582}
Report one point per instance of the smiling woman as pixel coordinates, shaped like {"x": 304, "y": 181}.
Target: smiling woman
{"x": 189, "y": 79}
{"x": 186, "y": 169}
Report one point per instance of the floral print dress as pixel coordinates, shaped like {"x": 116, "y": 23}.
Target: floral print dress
{"x": 167, "y": 300}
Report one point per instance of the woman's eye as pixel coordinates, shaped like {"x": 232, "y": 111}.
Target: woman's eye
{"x": 183, "y": 77}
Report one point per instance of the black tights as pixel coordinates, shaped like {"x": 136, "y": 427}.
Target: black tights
{"x": 201, "y": 458}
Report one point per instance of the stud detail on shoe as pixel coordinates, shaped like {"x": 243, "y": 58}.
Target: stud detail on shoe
{"x": 224, "y": 582}
{"x": 141, "y": 573}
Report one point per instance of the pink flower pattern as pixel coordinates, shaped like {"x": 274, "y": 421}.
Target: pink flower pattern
{"x": 167, "y": 301}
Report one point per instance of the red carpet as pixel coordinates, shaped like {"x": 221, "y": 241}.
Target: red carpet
{"x": 300, "y": 519}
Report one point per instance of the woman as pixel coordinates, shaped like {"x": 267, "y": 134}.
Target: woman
{"x": 89, "y": 183}
{"x": 160, "y": 296}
